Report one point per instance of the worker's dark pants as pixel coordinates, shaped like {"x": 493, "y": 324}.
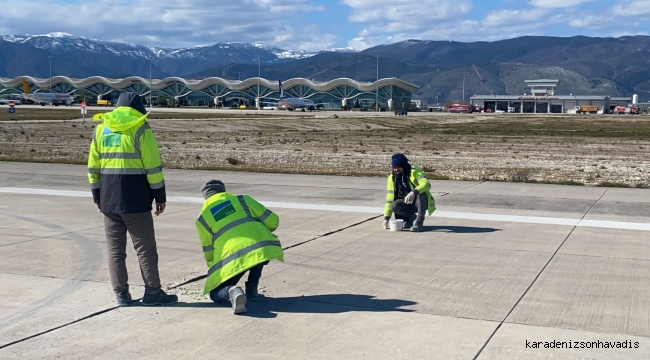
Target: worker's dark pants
{"x": 140, "y": 227}
{"x": 405, "y": 211}
{"x": 220, "y": 294}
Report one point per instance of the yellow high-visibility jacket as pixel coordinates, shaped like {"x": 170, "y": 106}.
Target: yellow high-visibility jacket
{"x": 236, "y": 233}
{"x": 124, "y": 165}
{"x": 418, "y": 181}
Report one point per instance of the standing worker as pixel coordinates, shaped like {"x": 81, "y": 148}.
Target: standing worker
{"x": 125, "y": 173}
{"x": 237, "y": 236}
{"x": 408, "y": 194}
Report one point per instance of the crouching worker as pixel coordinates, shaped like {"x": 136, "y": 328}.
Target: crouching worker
{"x": 408, "y": 194}
{"x": 236, "y": 234}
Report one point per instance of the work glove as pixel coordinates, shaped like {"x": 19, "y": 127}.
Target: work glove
{"x": 385, "y": 224}
{"x": 411, "y": 197}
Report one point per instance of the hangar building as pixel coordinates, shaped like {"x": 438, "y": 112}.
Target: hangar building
{"x": 542, "y": 99}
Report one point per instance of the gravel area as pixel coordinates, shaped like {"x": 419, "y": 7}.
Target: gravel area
{"x": 569, "y": 149}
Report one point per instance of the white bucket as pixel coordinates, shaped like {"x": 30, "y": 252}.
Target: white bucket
{"x": 396, "y": 225}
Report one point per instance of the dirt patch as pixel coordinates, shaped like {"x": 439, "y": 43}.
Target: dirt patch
{"x": 569, "y": 149}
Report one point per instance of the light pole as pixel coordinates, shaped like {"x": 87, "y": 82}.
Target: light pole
{"x": 50, "y": 57}
{"x": 377, "y": 87}
{"x": 259, "y": 72}
{"x": 463, "y": 87}
{"x": 150, "y": 84}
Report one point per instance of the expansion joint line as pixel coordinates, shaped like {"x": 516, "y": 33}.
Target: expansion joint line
{"x": 200, "y": 277}
{"x": 174, "y": 287}
{"x": 58, "y": 327}
{"x": 537, "y": 277}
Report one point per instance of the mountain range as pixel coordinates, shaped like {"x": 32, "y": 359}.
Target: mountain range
{"x": 584, "y": 65}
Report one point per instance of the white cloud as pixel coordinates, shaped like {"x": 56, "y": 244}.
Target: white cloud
{"x": 595, "y": 22}
{"x": 632, "y": 8}
{"x": 558, "y": 3}
{"x": 621, "y": 18}
{"x": 618, "y": 34}
{"x": 171, "y": 23}
{"x": 390, "y": 19}
{"x": 453, "y": 24}
{"x": 509, "y": 17}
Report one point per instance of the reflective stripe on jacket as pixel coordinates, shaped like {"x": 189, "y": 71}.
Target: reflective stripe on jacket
{"x": 417, "y": 181}
{"x": 236, "y": 233}
{"x": 124, "y": 165}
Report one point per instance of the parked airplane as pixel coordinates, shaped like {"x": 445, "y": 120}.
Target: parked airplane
{"x": 7, "y": 101}
{"x": 294, "y": 103}
{"x": 55, "y": 99}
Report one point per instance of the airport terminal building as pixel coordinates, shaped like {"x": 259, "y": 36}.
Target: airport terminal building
{"x": 335, "y": 94}
{"x": 542, "y": 99}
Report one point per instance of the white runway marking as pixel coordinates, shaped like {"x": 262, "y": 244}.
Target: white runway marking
{"x": 377, "y": 211}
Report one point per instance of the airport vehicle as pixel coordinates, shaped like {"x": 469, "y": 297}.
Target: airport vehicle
{"x": 104, "y": 103}
{"x": 458, "y": 108}
{"x": 55, "y": 99}
{"x": 401, "y": 112}
{"x": 630, "y": 110}
{"x": 292, "y": 104}
{"x": 586, "y": 109}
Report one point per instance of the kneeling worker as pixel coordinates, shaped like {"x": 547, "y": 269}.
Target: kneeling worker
{"x": 236, "y": 234}
{"x": 408, "y": 194}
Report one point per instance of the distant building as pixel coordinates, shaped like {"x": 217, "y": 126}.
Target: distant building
{"x": 542, "y": 99}
{"x": 334, "y": 94}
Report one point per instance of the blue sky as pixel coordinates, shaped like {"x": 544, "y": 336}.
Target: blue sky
{"x": 319, "y": 24}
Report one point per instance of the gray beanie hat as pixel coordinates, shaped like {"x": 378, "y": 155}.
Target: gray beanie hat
{"x": 131, "y": 100}
{"x": 212, "y": 187}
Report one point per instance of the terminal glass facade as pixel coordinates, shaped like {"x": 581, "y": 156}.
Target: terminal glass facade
{"x": 172, "y": 92}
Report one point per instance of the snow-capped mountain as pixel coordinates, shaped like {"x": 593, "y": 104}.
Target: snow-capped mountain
{"x": 118, "y": 58}
{"x": 66, "y": 42}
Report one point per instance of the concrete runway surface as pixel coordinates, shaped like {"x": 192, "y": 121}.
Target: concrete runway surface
{"x": 502, "y": 271}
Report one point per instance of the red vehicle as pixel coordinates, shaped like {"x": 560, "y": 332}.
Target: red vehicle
{"x": 622, "y": 110}
{"x": 457, "y": 108}
{"x": 466, "y": 109}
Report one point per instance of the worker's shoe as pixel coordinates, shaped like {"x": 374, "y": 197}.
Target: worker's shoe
{"x": 124, "y": 299}
{"x": 237, "y": 299}
{"x": 160, "y": 298}
{"x": 409, "y": 223}
{"x": 251, "y": 291}
{"x": 417, "y": 227}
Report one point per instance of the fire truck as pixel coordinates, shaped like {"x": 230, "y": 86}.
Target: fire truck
{"x": 465, "y": 109}
{"x": 630, "y": 110}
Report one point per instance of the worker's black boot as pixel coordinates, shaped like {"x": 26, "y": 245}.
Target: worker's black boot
{"x": 251, "y": 291}
{"x": 409, "y": 222}
{"x": 124, "y": 299}
{"x": 417, "y": 227}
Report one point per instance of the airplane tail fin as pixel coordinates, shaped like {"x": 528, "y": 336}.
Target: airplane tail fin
{"x": 281, "y": 90}
{"x": 26, "y": 88}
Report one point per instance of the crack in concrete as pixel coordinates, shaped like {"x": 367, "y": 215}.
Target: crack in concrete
{"x": 195, "y": 279}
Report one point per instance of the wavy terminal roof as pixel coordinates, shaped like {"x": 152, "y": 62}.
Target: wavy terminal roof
{"x": 196, "y": 85}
